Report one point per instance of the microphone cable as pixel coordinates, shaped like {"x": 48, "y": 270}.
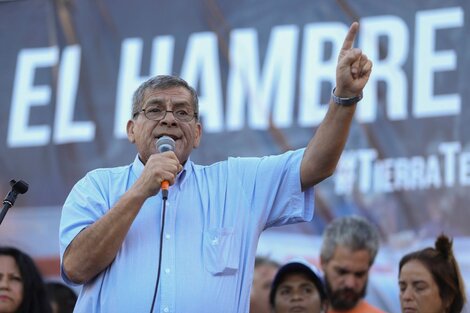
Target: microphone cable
{"x": 163, "y": 144}
{"x": 164, "y": 198}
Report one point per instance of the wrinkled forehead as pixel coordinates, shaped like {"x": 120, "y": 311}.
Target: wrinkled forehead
{"x": 168, "y": 97}
{"x": 172, "y": 94}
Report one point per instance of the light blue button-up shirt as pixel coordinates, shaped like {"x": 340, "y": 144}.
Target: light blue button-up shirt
{"x": 214, "y": 217}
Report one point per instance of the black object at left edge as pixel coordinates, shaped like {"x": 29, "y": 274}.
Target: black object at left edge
{"x": 17, "y": 187}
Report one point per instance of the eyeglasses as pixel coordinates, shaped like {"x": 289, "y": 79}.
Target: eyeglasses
{"x": 183, "y": 114}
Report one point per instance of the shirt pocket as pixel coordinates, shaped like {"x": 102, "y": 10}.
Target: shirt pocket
{"x": 221, "y": 251}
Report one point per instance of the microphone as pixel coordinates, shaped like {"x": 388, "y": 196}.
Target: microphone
{"x": 19, "y": 187}
{"x": 164, "y": 144}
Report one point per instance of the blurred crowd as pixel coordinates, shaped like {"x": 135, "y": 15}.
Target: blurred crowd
{"x": 429, "y": 279}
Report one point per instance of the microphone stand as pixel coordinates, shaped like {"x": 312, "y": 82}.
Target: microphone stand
{"x": 17, "y": 188}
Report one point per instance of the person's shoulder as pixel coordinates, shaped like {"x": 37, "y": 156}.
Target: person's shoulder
{"x": 246, "y": 162}
{"x": 204, "y": 167}
{"x": 106, "y": 174}
{"x": 231, "y": 164}
{"x": 109, "y": 170}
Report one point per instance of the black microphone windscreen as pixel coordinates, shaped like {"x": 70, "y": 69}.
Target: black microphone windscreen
{"x": 19, "y": 186}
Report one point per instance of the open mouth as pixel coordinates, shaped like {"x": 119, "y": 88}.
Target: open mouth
{"x": 168, "y": 135}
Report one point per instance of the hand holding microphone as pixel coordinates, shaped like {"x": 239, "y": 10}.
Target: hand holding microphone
{"x": 164, "y": 144}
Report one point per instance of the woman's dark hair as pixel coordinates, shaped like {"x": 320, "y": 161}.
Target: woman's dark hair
{"x": 442, "y": 265}
{"x": 34, "y": 293}
{"x": 62, "y": 295}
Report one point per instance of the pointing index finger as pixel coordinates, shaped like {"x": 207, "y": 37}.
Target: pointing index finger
{"x": 349, "y": 40}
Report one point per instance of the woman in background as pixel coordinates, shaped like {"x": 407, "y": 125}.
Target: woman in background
{"x": 430, "y": 280}
{"x": 21, "y": 285}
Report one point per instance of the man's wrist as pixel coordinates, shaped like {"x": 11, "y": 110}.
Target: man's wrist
{"x": 345, "y": 101}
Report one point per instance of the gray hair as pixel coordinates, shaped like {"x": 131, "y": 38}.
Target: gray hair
{"x": 161, "y": 82}
{"x": 353, "y": 232}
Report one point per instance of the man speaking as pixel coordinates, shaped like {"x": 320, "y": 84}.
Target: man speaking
{"x": 135, "y": 251}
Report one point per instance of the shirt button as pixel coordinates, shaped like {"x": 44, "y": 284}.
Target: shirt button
{"x": 166, "y": 309}
{"x": 167, "y": 236}
{"x": 167, "y": 270}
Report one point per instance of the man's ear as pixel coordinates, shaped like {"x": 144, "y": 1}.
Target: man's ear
{"x": 130, "y": 130}
{"x": 198, "y": 134}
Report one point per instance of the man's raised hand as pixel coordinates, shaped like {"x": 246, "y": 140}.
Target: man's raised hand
{"x": 353, "y": 69}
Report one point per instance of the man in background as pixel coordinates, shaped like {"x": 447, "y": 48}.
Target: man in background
{"x": 265, "y": 270}
{"x": 349, "y": 248}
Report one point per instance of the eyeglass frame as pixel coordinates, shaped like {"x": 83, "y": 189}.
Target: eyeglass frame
{"x": 194, "y": 116}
